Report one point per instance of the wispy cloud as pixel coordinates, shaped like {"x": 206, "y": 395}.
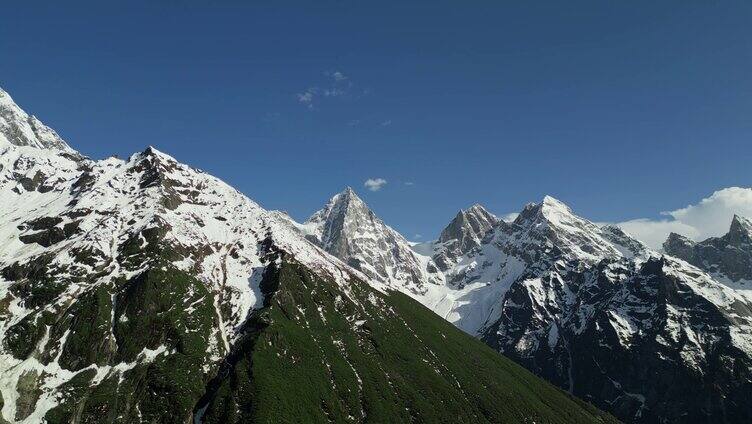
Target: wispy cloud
{"x": 336, "y": 75}
{"x": 307, "y": 96}
{"x": 337, "y": 84}
{"x": 386, "y": 123}
{"x": 374, "y": 184}
{"x": 708, "y": 218}
{"x": 409, "y": 183}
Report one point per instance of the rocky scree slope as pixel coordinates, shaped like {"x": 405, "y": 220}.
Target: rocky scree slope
{"x": 143, "y": 290}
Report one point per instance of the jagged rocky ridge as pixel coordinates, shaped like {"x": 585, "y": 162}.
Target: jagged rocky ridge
{"x": 143, "y": 290}
{"x": 728, "y": 258}
{"x": 641, "y": 334}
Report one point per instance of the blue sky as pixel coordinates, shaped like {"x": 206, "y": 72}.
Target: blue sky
{"x": 620, "y": 109}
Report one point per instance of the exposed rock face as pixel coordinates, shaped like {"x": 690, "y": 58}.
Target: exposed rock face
{"x": 463, "y": 234}
{"x": 728, "y": 257}
{"x": 349, "y": 230}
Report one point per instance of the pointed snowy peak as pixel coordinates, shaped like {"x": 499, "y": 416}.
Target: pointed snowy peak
{"x": 349, "y": 197}
{"x": 549, "y": 210}
{"x": 17, "y": 128}
{"x": 552, "y": 223}
{"x": 740, "y": 230}
{"x": 343, "y": 216}
{"x": 323, "y": 223}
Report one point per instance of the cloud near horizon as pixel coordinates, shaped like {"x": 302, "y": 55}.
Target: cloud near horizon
{"x": 374, "y": 184}
{"x": 710, "y": 217}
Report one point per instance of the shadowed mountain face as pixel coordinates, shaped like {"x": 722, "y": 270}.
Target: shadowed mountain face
{"x": 728, "y": 257}
{"x": 143, "y": 290}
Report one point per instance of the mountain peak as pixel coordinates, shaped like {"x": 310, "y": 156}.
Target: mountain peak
{"x": 477, "y": 207}
{"x": 740, "y": 222}
{"x": 679, "y": 246}
{"x": 676, "y": 237}
{"x": 468, "y": 227}
{"x": 18, "y": 128}
{"x": 344, "y": 207}
{"x": 552, "y": 203}
{"x": 349, "y": 194}
{"x": 549, "y": 209}
{"x": 740, "y": 229}
{"x": 346, "y": 201}
{"x": 349, "y": 230}
{"x": 553, "y": 223}
{"x": 728, "y": 255}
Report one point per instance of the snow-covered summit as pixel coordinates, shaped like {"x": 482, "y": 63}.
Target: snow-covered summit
{"x": 552, "y": 225}
{"x": 17, "y": 128}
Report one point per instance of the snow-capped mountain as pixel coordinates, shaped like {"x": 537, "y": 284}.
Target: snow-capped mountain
{"x": 643, "y": 335}
{"x": 144, "y": 290}
{"x": 77, "y": 233}
{"x": 728, "y": 258}
{"x": 597, "y": 313}
{"x": 349, "y": 230}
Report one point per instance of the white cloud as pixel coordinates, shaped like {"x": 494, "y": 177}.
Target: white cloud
{"x": 654, "y": 233}
{"x": 710, "y": 217}
{"x": 509, "y": 217}
{"x": 337, "y": 75}
{"x": 374, "y": 184}
{"x": 386, "y": 123}
{"x": 409, "y": 183}
{"x": 307, "y": 96}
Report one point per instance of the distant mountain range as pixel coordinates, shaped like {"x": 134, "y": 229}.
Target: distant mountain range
{"x": 143, "y": 290}
{"x": 642, "y": 334}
